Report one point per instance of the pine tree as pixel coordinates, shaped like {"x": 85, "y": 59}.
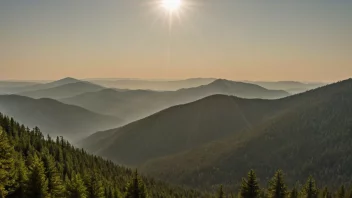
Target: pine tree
{"x": 277, "y": 186}
{"x": 325, "y": 193}
{"x": 294, "y": 193}
{"x": 341, "y": 192}
{"x": 310, "y": 190}
{"x": 350, "y": 193}
{"x": 95, "y": 187}
{"x": 21, "y": 179}
{"x": 6, "y": 164}
{"x": 263, "y": 193}
{"x": 136, "y": 188}
{"x": 221, "y": 192}
{"x": 56, "y": 187}
{"x": 250, "y": 187}
{"x": 37, "y": 182}
{"x": 75, "y": 187}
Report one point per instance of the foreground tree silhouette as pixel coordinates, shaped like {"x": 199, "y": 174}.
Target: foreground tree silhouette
{"x": 250, "y": 187}
{"x": 37, "y": 182}
{"x": 277, "y": 186}
{"x": 136, "y": 188}
{"x": 310, "y": 190}
{"x": 6, "y": 164}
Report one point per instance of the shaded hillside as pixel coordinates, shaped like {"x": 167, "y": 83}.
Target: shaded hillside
{"x": 54, "y": 117}
{"x": 179, "y": 128}
{"x": 63, "y": 91}
{"x": 313, "y": 137}
{"x": 136, "y": 104}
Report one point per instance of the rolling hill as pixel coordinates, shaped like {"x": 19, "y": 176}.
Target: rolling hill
{"x": 14, "y": 87}
{"x": 63, "y": 91}
{"x": 9, "y": 87}
{"x": 218, "y": 138}
{"x": 56, "y": 118}
{"x": 292, "y": 87}
{"x": 137, "y": 104}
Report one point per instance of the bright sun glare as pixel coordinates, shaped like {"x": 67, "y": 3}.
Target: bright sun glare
{"x": 171, "y": 5}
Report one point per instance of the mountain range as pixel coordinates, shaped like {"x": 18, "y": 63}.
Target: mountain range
{"x": 136, "y": 104}
{"x": 218, "y": 138}
{"x": 292, "y": 87}
{"x": 158, "y": 85}
{"x": 63, "y": 91}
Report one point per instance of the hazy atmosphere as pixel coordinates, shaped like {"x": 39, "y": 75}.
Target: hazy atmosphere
{"x": 175, "y": 99}
{"x": 240, "y": 40}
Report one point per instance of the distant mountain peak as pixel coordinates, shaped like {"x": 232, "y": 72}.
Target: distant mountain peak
{"x": 224, "y": 82}
{"x": 68, "y": 80}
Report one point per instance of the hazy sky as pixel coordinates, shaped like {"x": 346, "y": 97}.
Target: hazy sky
{"x": 306, "y": 40}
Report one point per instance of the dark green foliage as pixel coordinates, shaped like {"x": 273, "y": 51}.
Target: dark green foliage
{"x": 277, "y": 186}
{"x": 55, "y": 184}
{"x": 250, "y": 187}
{"x": 6, "y": 164}
{"x": 57, "y": 169}
{"x": 37, "y": 181}
{"x": 350, "y": 193}
{"x": 75, "y": 187}
{"x": 21, "y": 179}
{"x": 94, "y": 186}
{"x": 221, "y": 192}
{"x": 310, "y": 190}
{"x": 136, "y": 188}
{"x": 341, "y": 193}
{"x": 293, "y": 193}
{"x": 326, "y": 193}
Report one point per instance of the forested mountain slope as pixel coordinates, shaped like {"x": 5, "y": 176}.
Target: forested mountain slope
{"x": 311, "y": 138}
{"x": 179, "y": 128}
{"x": 136, "y": 104}
{"x": 56, "y": 118}
{"x": 33, "y": 167}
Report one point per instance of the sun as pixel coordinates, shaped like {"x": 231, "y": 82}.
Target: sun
{"x": 171, "y": 5}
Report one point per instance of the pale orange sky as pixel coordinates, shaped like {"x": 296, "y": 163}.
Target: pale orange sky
{"x": 239, "y": 40}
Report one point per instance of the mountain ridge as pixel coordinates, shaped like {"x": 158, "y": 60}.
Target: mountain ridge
{"x": 56, "y": 117}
